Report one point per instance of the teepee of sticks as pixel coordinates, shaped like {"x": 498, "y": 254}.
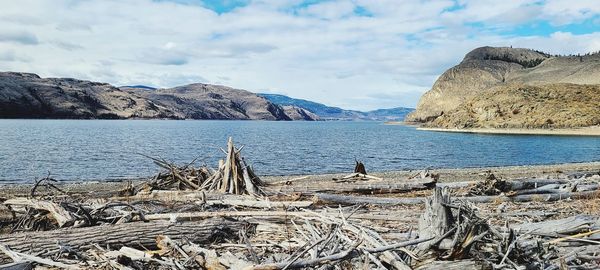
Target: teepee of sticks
{"x": 234, "y": 176}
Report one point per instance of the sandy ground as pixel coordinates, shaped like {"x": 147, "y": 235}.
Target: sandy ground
{"x": 587, "y": 131}
{"x": 446, "y": 175}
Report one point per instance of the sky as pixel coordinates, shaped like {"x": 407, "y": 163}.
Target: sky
{"x": 354, "y": 54}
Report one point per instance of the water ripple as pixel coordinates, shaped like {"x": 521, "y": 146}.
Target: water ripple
{"x": 102, "y": 149}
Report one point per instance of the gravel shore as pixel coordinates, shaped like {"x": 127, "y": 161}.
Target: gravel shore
{"x": 446, "y": 175}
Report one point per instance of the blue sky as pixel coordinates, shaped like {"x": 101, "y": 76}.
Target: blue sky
{"x": 546, "y": 28}
{"x": 219, "y": 7}
{"x": 357, "y": 54}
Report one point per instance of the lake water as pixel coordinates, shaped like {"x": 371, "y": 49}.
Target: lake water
{"x": 106, "y": 149}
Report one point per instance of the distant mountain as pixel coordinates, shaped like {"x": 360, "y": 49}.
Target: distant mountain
{"x": 317, "y": 108}
{"x": 334, "y": 113}
{"x": 392, "y": 114}
{"x": 26, "y": 95}
{"x": 205, "y": 101}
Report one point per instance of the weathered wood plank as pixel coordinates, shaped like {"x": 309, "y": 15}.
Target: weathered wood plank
{"x": 568, "y": 225}
{"x": 364, "y": 188}
{"x": 136, "y": 234}
{"x": 353, "y": 199}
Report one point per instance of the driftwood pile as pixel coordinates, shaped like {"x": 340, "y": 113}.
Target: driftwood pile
{"x": 233, "y": 176}
{"x": 173, "y": 178}
{"x": 229, "y": 219}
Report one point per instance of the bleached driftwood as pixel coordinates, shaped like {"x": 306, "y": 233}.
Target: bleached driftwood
{"x": 345, "y": 254}
{"x": 567, "y": 225}
{"x": 141, "y": 234}
{"x": 260, "y": 203}
{"x": 353, "y": 199}
{"x": 437, "y": 218}
{"x": 59, "y": 213}
{"x": 363, "y": 188}
{"x": 234, "y": 176}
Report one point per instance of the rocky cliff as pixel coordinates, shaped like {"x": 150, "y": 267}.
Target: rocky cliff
{"x": 519, "y": 88}
{"x": 205, "y": 101}
{"x": 25, "y": 95}
{"x": 297, "y": 113}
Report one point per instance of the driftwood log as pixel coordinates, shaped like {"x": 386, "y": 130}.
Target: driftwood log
{"x": 510, "y": 184}
{"x": 281, "y": 216}
{"x": 362, "y": 188}
{"x": 59, "y": 213}
{"x": 352, "y": 199}
{"x": 136, "y": 234}
{"x": 534, "y": 197}
{"x": 570, "y": 225}
{"x": 451, "y": 265}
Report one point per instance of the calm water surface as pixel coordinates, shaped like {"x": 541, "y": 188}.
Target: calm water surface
{"x": 106, "y": 149}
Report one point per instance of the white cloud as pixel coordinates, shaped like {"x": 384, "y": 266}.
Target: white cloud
{"x": 20, "y": 38}
{"x": 12, "y": 56}
{"x": 563, "y": 43}
{"x": 170, "y": 45}
{"x": 160, "y": 56}
{"x": 566, "y": 11}
{"x": 489, "y": 10}
{"x": 387, "y": 55}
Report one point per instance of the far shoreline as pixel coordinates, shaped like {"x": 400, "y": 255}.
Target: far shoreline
{"x": 582, "y": 131}
{"x": 585, "y": 131}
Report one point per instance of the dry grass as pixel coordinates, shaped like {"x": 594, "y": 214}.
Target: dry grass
{"x": 559, "y": 105}
{"x": 591, "y": 206}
